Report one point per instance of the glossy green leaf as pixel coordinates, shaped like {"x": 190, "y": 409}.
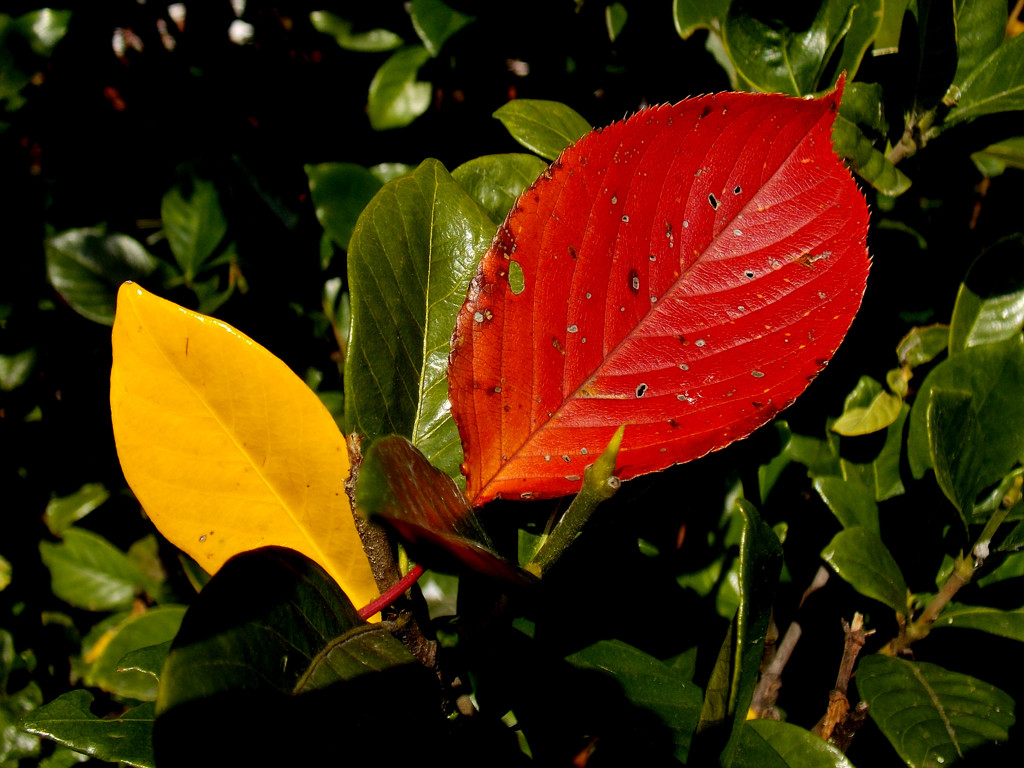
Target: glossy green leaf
{"x": 340, "y": 192}
{"x": 648, "y": 684}
{"x": 852, "y": 503}
{"x": 102, "y": 659}
{"x": 386, "y": 172}
{"x": 5, "y": 573}
{"x": 435, "y": 22}
{"x": 69, "y": 721}
{"x": 760, "y": 562}
{"x": 771, "y": 57}
{"x": 863, "y": 105}
{"x": 953, "y": 435}
{"x": 62, "y": 512}
{"x": 396, "y": 97}
{"x": 148, "y": 660}
{"x": 861, "y": 559}
{"x": 870, "y": 164}
{"x": 409, "y": 264}
{"x": 821, "y": 457}
{"x": 273, "y": 641}
{"x": 89, "y": 572}
{"x": 343, "y": 31}
{"x": 994, "y": 375}
{"x": 922, "y": 345}
{"x": 496, "y": 181}
{"x": 996, "y": 158}
{"x": 990, "y": 304}
{"x": 544, "y": 127}
{"x": 194, "y": 224}
{"x": 86, "y": 267}
{"x": 1005, "y": 494}
{"x": 63, "y": 757}
{"x": 1011, "y": 568}
{"x": 882, "y": 475}
{"x": 15, "y": 743}
{"x": 24, "y": 41}
{"x": 980, "y": 28}
{"x": 887, "y": 39}
{"x": 995, "y": 85}
{"x": 930, "y": 715}
{"x": 867, "y": 409}
{"x": 691, "y": 15}
{"x": 15, "y": 369}
{"x": 615, "y": 15}
{"x": 765, "y": 743}
{"x": 991, "y": 620}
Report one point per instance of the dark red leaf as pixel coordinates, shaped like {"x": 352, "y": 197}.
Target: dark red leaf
{"x": 398, "y": 484}
{"x": 686, "y": 272}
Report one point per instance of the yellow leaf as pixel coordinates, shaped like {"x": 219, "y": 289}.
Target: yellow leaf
{"x": 225, "y": 447}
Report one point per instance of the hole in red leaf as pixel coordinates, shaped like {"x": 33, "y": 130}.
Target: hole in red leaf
{"x": 640, "y": 390}
{"x": 714, "y": 202}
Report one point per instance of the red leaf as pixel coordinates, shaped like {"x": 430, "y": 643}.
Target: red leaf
{"x": 686, "y": 272}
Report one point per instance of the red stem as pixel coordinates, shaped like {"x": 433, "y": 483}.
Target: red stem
{"x": 392, "y": 594}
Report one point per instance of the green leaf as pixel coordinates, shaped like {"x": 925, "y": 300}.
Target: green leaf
{"x": 61, "y": 513}
{"x": 15, "y": 369}
{"x": 992, "y": 620}
{"x": 887, "y": 40}
{"x": 867, "y": 409}
{"x": 496, "y": 181}
{"x": 996, "y": 158}
{"x": 63, "y": 757}
{"x": 371, "y": 40}
{"x": 615, "y": 16}
{"x": 272, "y": 641}
{"x": 102, "y": 659}
{"x": 691, "y": 15}
{"x": 870, "y": 164}
{"x": 990, "y": 304}
{"x": 340, "y": 193}
{"x": 544, "y": 127}
{"x": 861, "y": 559}
{"x": 936, "y": 52}
{"x": 435, "y": 22}
{"x": 765, "y": 743}
{"x": 995, "y": 85}
{"x": 89, "y": 572}
{"x": 883, "y": 474}
{"x": 194, "y": 224}
{"x": 760, "y": 562}
{"x": 148, "y": 660}
{"x": 69, "y": 721}
{"x": 1011, "y": 568}
{"x": 413, "y": 252}
{"x": 852, "y": 503}
{"x": 14, "y": 742}
{"x": 980, "y": 28}
{"x": 386, "y": 172}
{"x": 86, "y": 267}
{"x": 396, "y": 97}
{"x": 952, "y": 437}
{"x": 930, "y": 715}
{"x": 771, "y": 57}
{"x": 922, "y": 345}
{"x": 994, "y": 375}
{"x": 648, "y": 684}
{"x": 863, "y": 105}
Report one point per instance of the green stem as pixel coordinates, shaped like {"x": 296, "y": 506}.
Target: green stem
{"x": 963, "y": 571}
{"x": 599, "y": 484}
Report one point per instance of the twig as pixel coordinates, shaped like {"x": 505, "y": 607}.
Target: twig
{"x": 838, "y": 711}
{"x": 762, "y": 704}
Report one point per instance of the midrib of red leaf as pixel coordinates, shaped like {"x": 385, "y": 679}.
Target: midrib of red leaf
{"x": 670, "y": 245}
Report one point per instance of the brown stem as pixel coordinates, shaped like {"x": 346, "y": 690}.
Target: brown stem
{"x": 838, "y": 710}
{"x": 379, "y": 552}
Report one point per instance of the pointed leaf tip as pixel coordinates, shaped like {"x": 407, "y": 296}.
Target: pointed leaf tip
{"x": 685, "y": 272}
{"x": 226, "y": 449}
